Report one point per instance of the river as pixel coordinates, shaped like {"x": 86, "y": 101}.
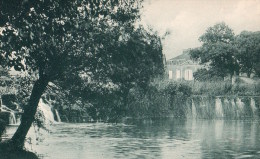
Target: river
{"x": 141, "y": 139}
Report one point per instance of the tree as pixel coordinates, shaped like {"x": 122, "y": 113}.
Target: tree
{"x": 206, "y": 75}
{"x": 248, "y": 44}
{"x": 140, "y": 62}
{"x": 74, "y": 43}
{"x": 217, "y": 50}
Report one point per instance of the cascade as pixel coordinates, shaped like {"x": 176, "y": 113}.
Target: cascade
{"x": 193, "y": 110}
{"x": 218, "y": 108}
{"x": 229, "y": 108}
{"x": 203, "y": 108}
{"x": 240, "y": 107}
{"x": 253, "y": 107}
{"x": 233, "y": 105}
{"x": 224, "y": 107}
{"x": 57, "y": 115}
{"x": 45, "y": 109}
{"x": 12, "y": 119}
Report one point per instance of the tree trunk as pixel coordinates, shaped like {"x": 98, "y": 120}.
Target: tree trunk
{"x": 29, "y": 113}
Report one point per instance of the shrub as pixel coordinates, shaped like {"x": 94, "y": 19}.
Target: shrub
{"x": 160, "y": 100}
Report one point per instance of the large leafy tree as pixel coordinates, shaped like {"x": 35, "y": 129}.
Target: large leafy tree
{"x": 218, "y": 50}
{"x": 133, "y": 64}
{"x": 248, "y": 44}
{"x": 76, "y": 44}
{"x": 207, "y": 75}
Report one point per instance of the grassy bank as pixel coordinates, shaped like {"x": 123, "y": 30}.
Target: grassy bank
{"x": 8, "y": 151}
{"x": 222, "y": 88}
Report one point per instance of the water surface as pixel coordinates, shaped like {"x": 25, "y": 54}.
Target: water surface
{"x": 161, "y": 138}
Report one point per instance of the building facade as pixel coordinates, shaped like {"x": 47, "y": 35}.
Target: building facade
{"x": 181, "y": 67}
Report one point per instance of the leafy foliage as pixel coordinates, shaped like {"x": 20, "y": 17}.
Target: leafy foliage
{"x": 162, "y": 99}
{"x": 226, "y": 54}
{"x": 55, "y": 37}
{"x": 248, "y": 44}
{"x": 207, "y": 75}
{"x": 217, "y": 50}
{"x": 87, "y": 48}
{"x": 91, "y": 49}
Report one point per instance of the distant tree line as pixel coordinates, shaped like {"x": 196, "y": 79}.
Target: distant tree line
{"x": 227, "y": 54}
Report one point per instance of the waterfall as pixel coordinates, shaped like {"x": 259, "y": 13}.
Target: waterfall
{"x": 228, "y": 107}
{"x": 234, "y": 110}
{"x": 193, "y": 110}
{"x": 240, "y": 107}
{"x": 253, "y": 107}
{"x": 218, "y": 108}
{"x": 57, "y": 115}
{"x": 45, "y": 110}
{"x": 202, "y": 107}
{"x": 233, "y": 104}
{"x": 12, "y": 119}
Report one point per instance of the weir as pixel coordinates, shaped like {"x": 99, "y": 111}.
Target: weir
{"x": 9, "y": 115}
{"x": 46, "y": 111}
{"x": 231, "y": 107}
{"x": 240, "y": 106}
{"x": 193, "y": 110}
{"x": 253, "y": 107}
{"x": 218, "y": 108}
{"x": 57, "y": 115}
{"x": 12, "y": 120}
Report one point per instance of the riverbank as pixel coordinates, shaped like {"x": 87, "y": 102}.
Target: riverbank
{"x": 17, "y": 154}
{"x": 200, "y": 99}
{"x": 7, "y": 151}
{"x": 165, "y": 98}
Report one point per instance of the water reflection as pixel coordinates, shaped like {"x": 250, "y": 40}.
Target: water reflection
{"x": 160, "y": 138}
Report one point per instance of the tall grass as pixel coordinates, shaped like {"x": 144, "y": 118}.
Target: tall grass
{"x": 162, "y": 99}
{"x": 171, "y": 98}
{"x": 222, "y": 88}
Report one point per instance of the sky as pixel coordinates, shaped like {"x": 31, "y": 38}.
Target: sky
{"x": 187, "y": 20}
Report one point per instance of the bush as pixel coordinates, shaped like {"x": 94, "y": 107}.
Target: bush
{"x": 160, "y": 100}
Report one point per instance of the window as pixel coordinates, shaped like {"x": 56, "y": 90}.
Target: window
{"x": 188, "y": 75}
{"x": 170, "y": 74}
{"x": 178, "y": 74}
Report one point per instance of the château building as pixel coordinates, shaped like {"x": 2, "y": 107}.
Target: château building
{"x": 181, "y": 67}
